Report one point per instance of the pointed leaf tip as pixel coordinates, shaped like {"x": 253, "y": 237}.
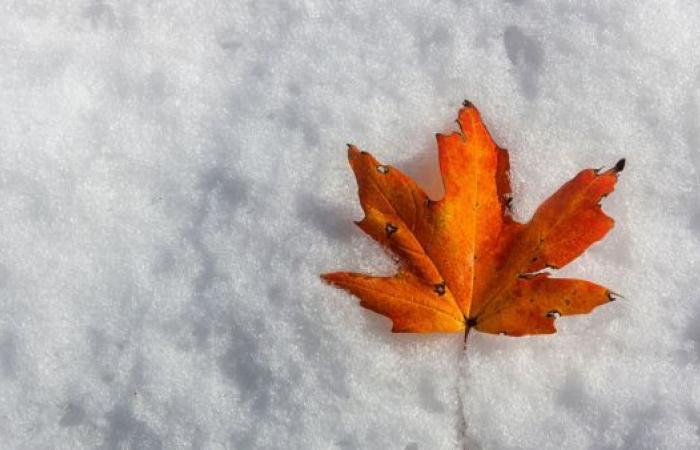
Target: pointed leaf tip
{"x": 467, "y": 104}
{"x": 612, "y": 296}
{"x": 619, "y": 166}
{"x": 352, "y": 152}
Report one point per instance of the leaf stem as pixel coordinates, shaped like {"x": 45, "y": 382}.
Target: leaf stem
{"x": 462, "y": 430}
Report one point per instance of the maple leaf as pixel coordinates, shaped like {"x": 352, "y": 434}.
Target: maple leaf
{"x": 464, "y": 262}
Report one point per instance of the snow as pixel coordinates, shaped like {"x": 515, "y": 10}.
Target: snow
{"x": 173, "y": 179}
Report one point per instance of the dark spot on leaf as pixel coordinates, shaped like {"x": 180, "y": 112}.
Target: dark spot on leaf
{"x": 471, "y": 322}
{"x": 509, "y": 200}
{"x": 390, "y": 229}
{"x": 467, "y": 104}
{"x": 439, "y": 288}
{"x": 553, "y": 314}
{"x": 382, "y": 169}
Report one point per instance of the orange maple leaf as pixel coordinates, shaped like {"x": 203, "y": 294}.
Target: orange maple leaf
{"x": 464, "y": 262}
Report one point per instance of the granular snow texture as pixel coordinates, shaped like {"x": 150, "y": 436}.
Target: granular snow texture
{"x": 173, "y": 179}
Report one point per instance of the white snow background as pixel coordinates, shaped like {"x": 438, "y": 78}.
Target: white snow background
{"x": 173, "y": 179}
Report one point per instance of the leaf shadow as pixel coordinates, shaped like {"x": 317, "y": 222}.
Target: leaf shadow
{"x": 332, "y": 220}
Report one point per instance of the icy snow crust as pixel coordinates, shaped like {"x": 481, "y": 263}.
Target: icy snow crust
{"x": 173, "y": 179}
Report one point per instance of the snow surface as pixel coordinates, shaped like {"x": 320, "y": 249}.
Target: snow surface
{"x": 173, "y": 179}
